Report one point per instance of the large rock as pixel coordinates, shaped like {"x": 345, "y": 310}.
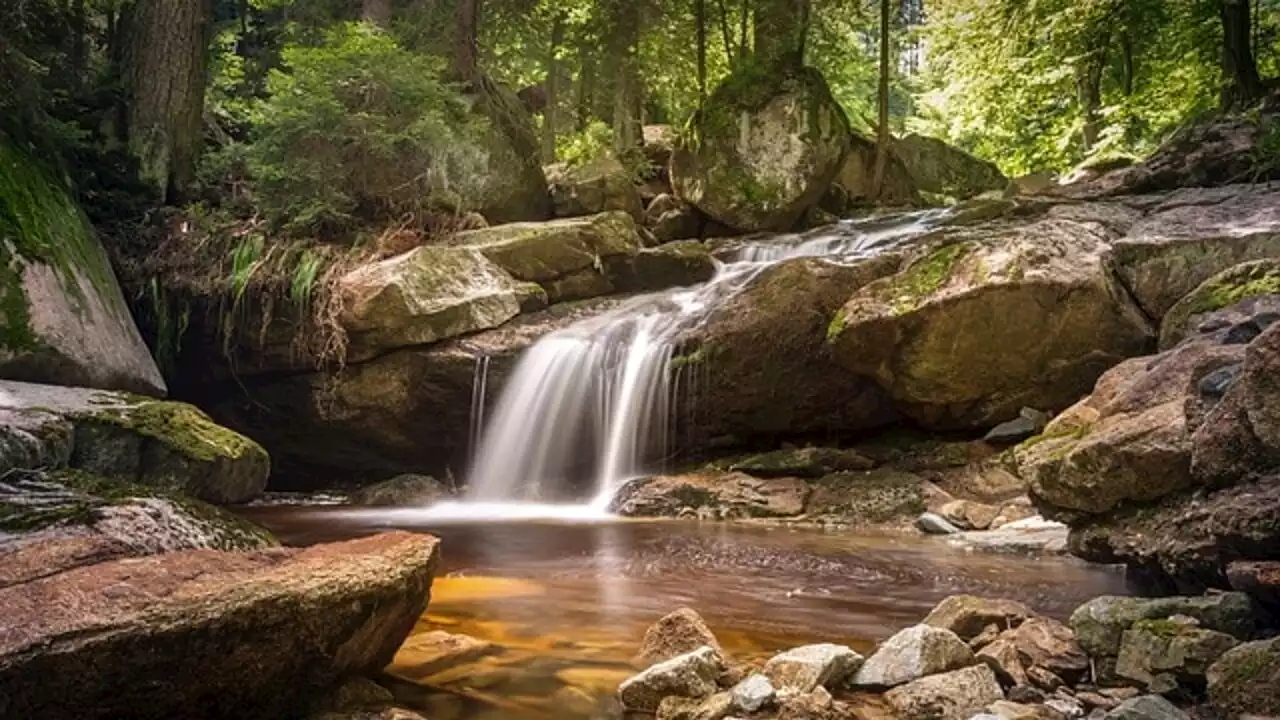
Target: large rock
{"x": 804, "y": 669}
{"x": 671, "y": 218}
{"x": 515, "y": 186}
{"x": 563, "y": 256}
{"x": 402, "y": 491}
{"x": 852, "y": 186}
{"x": 967, "y": 615}
{"x": 993, "y": 319}
{"x": 692, "y": 675}
{"x": 766, "y": 150}
{"x": 955, "y": 695}
{"x": 675, "y": 264}
{"x": 1245, "y": 678}
{"x": 1100, "y": 624}
{"x": 261, "y": 632}
{"x": 723, "y": 495}
{"x": 1158, "y": 652}
{"x": 1240, "y": 435}
{"x": 166, "y": 445}
{"x": 677, "y": 633}
{"x": 597, "y": 186}
{"x": 1193, "y": 235}
{"x": 912, "y": 654}
{"x": 1258, "y": 280}
{"x": 422, "y": 297}
{"x": 943, "y": 169}
{"x": 65, "y": 319}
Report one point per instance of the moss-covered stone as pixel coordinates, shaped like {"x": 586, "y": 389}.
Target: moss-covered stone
{"x": 1231, "y": 286}
{"x": 1245, "y": 679}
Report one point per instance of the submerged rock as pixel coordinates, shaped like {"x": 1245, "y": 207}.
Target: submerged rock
{"x": 803, "y": 669}
{"x": 692, "y": 675}
{"x": 263, "y": 632}
{"x": 677, "y": 633}
{"x": 955, "y": 695}
{"x": 912, "y": 654}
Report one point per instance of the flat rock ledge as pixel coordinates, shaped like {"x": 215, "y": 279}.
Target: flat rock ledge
{"x": 209, "y": 634}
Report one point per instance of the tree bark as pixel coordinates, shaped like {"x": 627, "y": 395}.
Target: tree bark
{"x": 624, "y": 42}
{"x": 1089, "y": 91}
{"x": 883, "y": 137}
{"x": 166, "y": 81}
{"x": 1241, "y": 84}
{"x": 549, "y": 113}
{"x": 586, "y": 85}
{"x": 466, "y": 53}
{"x": 700, "y": 20}
{"x": 1126, "y": 48}
{"x": 780, "y": 30}
{"x": 377, "y": 12}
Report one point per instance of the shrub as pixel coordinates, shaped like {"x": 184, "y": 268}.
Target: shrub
{"x": 359, "y": 129}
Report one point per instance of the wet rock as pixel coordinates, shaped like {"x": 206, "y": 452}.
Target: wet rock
{"x": 1179, "y": 650}
{"x": 1147, "y": 707}
{"x": 968, "y": 615}
{"x": 677, "y": 633}
{"x": 943, "y": 169}
{"x": 1046, "y": 643}
{"x": 752, "y": 694}
{"x": 725, "y": 495}
{"x": 810, "y": 462}
{"x": 675, "y": 264}
{"x": 1100, "y": 624}
{"x": 766, "y": 153}
{"x": 802, "y": 669}
{"x": 1258, "y": 280}
{"x": 952, "y": 696}
{"x": 921, "y": 332}
{"x": 264, "y": 632}
{"x": 402, "y": 491}
{"x": 675, "y": 707}
{"x": 935, "y": 524}
{"x": 692, "y": 675}
{"x": 1006, "y": 710}
{"x": 912, "y": 654}
{"x": 969, "y": 515}
{"x": 600, "y": 185}
{"x": 1245, "y": 678}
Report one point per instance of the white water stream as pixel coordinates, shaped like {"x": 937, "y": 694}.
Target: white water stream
{"x": 594, "y": 400}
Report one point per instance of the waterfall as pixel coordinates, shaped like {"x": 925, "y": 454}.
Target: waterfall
{"x": 588, "y": 407}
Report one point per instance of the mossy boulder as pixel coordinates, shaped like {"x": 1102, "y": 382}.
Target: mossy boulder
{"x": 166, "y": 445}
{"x": 257, "y": 634}
{"x": 985, "y": 321}
{"x": 675, "y": 264}
{"x": 597, "y": 186}
{"x": 764, "y": 151}
{"x": 515, "y": 186}
{"x": 424, "y": 296}
{"x": 402, "y": 491}
{"x": 1244, "y": 680}
{"x": 1100, "y": 624}
{"x": 1193, "y": 235}
{"x": 1160, "y": 652}
{"x": 565, "y": 257}
{"x": 940, "y": 168}
{"x": 1259, "y": 280}
{"x": 65, "y": 319}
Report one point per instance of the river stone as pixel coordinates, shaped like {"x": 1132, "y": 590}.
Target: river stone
{"x": 926, "y": 334}
{"x": 165, "y": 445}
{"x": 1193, "y": 235}
{"x": 1258, "y": 280}
{"x": 752, "y": 693}
{"x": 939, "y": 168}
{"x": 935, "y": 524}
{"x": 802, "y": 669}
{"x": 1100, "y": 624}
{"x": 1245, "y": 678}
{"x": 1147, "y": 707}
{"x": 263, "y": 632}
{"x": 810, "y": 462}
{"x": 675, "y": 264}
{"x": 675, "y": 634}
{"x": 955, "y": 695}
{"x": 1046, "y": 643}
{"x": 766, "y": 150}
{"x": 912, "y": 654}
{"x": 563, "y": 256}
{"x": 599, "y": 185}
{"x": 968, "y": 615}
{"x": 424, "y": 296}
{"x": 66, "y": 321}
{"x": 674, "y": 707}
{"x": 692, "y": 675}
{"x": 402, "y": 491}
{"x": 1151, "y": 648}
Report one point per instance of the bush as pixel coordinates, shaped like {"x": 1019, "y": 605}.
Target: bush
{"x": 359, "y": 129}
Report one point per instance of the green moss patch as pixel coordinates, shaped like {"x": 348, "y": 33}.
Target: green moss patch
{"x": 910, "y": 288}
{"x": 181, "y": 427}
{"x": 1232, "y": 287}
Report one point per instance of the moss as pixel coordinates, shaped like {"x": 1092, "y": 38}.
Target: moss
{"x": 694, "y": 358}
{"x": 925, "y": 277}
{"x": 1232, "y": 288}
{"x": 1161, "y": 628}
{"x": 837, "y": 326}
{"x": 181, "y": 427}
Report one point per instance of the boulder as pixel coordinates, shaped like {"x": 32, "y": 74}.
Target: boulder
{"x": 1193, "y": 235}
{"x": 692, "y": 675}
{"x": 1245, "y": 678}
{"x": 671, "y": 219}
{"x": 66, "y": 321}
{"x": 515, "y": 186}
{"x": 967, "y": 615}
{"x": 563, "y": 256}
{"x": 881, "y": 497}
{"x": 262, "y": 632}
{"x": 1153, "y": 652}
{"x": 809, "y": 462}
{"x": 1240, "y": 435}
{"x": 677, "y": 633}
{"x": 725, "y": 495}
{"x": 1005, "y": 661}
{"x": 911, "y": 654}
{"x": 1100, "y": 624}
{"x": 955, "y": 695}
{"x": 752, "y": 693}
{"x": 943, "y": 169}
{"x": 159, "y": 444}
{"x": 803, "y": 669}
{"x": 1146, "y": 707}
{"x": 597, "y": 186}
{"x": 766, "y": 150}
{"x": 990, "y": 320}
{"x": 424, "y": 296}
{"x": 402, "y": 491}
{"x": 675, "y": 264}
{"x": 852, "y": 185}
{"x": 1259, "y": 280}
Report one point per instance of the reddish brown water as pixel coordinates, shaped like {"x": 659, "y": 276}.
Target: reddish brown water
{"x": 566, "y": 604}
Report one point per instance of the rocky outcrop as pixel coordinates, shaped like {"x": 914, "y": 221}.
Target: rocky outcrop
{"x": 600, "y": 185}
{"x": 255, "y": 634}
{"x": 766, "y": 150}
{"x": 942, "y": 169}
{"x": 852, "y": 186}
{"x": 65, "y": 319}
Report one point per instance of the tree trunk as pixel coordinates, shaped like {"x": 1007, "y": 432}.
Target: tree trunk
{"x": 730, "y": 55}
{"x": 624, "y": 36}
{"x": 780, "y": 30}
{"x": 700, "y": 20}
{"x": 1241, "y": 84}
{"x": 586, "y": 85}
{"x": 882, "y": 132}
{"x": 1126, "y": 47}
{"x": 553, "y": 90}
{"x": 466, "y": 54}
{"x": 377, "y": 12}
{"x": 166, "y": 77}
{"x": 1089, "y": 90}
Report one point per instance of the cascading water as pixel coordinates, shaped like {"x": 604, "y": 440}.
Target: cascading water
{"x": 593, "y": 400}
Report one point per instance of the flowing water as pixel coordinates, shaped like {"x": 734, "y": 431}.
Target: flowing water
{"x": 595, "y": 398}
{"x": 565, "y": 604}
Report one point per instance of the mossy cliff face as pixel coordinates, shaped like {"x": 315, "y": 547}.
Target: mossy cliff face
{"x": 764, "y": 150}
{"x": 65, "y": 319}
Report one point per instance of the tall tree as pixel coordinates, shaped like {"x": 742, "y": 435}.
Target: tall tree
{"x": 781, "y": 27}
{"x": 625, "y": 17}
{"x": 466, "y": 51}
{"x": 883, "y": 138}
{"x": 1241, "y": 83}
{"x": 166, "y": 82}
